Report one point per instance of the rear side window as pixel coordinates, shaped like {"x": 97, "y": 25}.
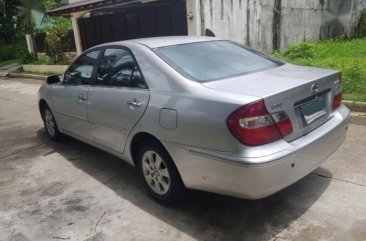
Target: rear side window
{"x": 118, "y": 68}
{"x": 207, "y": 61}
{"x": 80, "y": 73}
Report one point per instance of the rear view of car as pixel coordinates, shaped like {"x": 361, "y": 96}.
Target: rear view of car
{"x": 294, "y": 123}
{"x": 199, "y": 113}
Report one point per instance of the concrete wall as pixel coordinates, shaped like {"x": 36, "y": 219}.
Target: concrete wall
{"x": 274, "y": 24}
{"x": 74, "y": 1}
{"x": 45, "y": 69}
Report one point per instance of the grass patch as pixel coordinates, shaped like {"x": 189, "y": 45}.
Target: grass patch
{"x": 348, "y": 56}
{"x": 8, "y": 62}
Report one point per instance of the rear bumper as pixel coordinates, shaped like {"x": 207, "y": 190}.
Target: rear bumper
{"x": 254, "y": 179}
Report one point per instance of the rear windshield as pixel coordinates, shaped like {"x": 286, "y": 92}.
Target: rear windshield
{"x": 207, "y": 61}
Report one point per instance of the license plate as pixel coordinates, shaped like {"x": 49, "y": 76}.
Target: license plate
{"x": 313, "y": 110}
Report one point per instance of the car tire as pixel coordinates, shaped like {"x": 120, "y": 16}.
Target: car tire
{"x": 159, "y": 174}
{"x": 50, "y": 125}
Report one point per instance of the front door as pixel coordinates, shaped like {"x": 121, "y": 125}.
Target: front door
{"x": 117, "y": 100}
{"x": 70, "y": 97}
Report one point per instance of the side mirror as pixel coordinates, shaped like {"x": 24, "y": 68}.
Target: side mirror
{"x": 53, "y": 79}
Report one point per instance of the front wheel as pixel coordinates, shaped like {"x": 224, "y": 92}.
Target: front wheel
{"x": 159, "y": 174}
{"x": 50, "y": 125}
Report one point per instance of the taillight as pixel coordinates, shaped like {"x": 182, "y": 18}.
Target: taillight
{"x": 252, "y": 124}
{"x": 337, "y": 101}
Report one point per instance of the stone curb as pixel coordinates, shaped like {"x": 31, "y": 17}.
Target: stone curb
{"x": 355, "y": 106}
{"x": 8, "y": 69}
{"x": 44, "y": 69}
{"x": 29, "y": 76}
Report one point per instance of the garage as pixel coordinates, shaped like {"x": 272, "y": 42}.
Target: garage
{"x": 96, "y": 22}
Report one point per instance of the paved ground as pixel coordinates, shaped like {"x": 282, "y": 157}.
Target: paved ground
{"x": 71, "y": 191}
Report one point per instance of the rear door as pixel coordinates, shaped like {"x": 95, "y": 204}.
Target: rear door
{"x": 117, "y": 99}
{"x": 70, "y": 97}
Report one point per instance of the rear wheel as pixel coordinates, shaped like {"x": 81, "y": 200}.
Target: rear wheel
{"x": 158, "y": 173}
{"x": 50, "y": 125}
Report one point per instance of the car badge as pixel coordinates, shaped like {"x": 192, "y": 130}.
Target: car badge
{"x": 315, "y": 88}
{"x": 276, "y": 106}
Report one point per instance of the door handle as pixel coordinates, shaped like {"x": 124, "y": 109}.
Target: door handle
{"x": 134, "y": 103}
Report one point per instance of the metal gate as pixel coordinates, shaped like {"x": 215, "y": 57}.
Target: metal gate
{"x": 160, "y": 19}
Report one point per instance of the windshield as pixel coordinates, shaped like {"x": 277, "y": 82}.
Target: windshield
{"x": 207, "y": 61}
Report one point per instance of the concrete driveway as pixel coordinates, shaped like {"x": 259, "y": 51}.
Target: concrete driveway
{"x": 71, "y": 191}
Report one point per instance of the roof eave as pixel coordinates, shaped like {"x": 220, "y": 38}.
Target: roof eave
{"x": 85, "y": 6}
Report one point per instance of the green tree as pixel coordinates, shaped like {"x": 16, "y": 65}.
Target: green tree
{"x": 57, "y": 40}
{"x": 51, "y": 4}
{"x": 26, "y": 15}
{"x": 57, "y": 32}
{"x": 8, "y": 21}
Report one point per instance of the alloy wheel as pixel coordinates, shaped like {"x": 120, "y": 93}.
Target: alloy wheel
{"x": 155, "y": 172}
{"x": 50, "y": 122}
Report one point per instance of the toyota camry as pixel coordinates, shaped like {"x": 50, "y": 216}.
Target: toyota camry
{"x": 199, "y": 113}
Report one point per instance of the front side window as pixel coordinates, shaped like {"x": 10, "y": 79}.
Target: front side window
{"x": 80, "y": 73}
{"x": 212, "y": 60}
{"x": 118, "y": 68}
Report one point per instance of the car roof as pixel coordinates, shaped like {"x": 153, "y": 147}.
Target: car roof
{"x": 157, "y": 42}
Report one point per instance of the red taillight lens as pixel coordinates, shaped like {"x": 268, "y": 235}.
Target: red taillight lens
{"x": 337, "y": 101}
{"x": 285, "y": 127}
{"x": 338, "y": 93}
{"x": 252, "y": 124}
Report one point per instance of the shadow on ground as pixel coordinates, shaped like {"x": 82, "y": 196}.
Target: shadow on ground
{"x": 201, "y": 215}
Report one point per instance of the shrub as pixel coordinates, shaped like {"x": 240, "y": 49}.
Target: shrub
{"x": 57, "y": 38}
{"x": 7, "y": 52}
{"x": 12, "y": 51}
{"x": 25, "y": 57}
{"x": 360, "y": 30}
{"x": 301, "y": 51}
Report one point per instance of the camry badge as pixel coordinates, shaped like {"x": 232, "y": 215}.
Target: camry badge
{"x": 276, "y": 106}
{"x": 315, "y": 88}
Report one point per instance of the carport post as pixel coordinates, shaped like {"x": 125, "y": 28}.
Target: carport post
{"x": 75, "y": 28}
{"x": 193, "y": 17}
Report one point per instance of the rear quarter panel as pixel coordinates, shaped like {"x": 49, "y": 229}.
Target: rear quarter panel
{"x": 202, "y": 112}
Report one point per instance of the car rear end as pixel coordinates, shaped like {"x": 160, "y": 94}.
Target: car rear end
{"x": 271, "y": 155}
{"x": 293, "y": 101}
{"x": 295, "y": 123}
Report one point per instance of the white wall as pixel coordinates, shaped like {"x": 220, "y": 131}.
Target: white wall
{"x": 74, "y": 1}
{"x": 245, "y": 21}
{"x": 253, "y": 22}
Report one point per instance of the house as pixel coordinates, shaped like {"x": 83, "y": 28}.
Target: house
{"x": 99, "y": 21}
{"x": 262, "y": 24}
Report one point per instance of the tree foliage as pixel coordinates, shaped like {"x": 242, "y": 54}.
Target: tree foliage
{"x": 57, "y": 32}
{"x": 18, "y": 17}
{"x": 57, "y": 40}
{"x": 51, "y": 4}
{"x": 361, "y": 25}
{"x": 9, "y": 30}
{"x": 27, "y": 9}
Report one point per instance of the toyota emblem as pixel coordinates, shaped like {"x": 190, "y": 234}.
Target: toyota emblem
{"x": 315, "y": 87}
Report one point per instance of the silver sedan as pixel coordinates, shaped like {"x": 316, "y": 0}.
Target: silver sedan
{"x": 199, "y": 113}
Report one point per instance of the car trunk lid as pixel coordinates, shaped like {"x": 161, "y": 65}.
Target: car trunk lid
{"x": 304, "y": 93}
